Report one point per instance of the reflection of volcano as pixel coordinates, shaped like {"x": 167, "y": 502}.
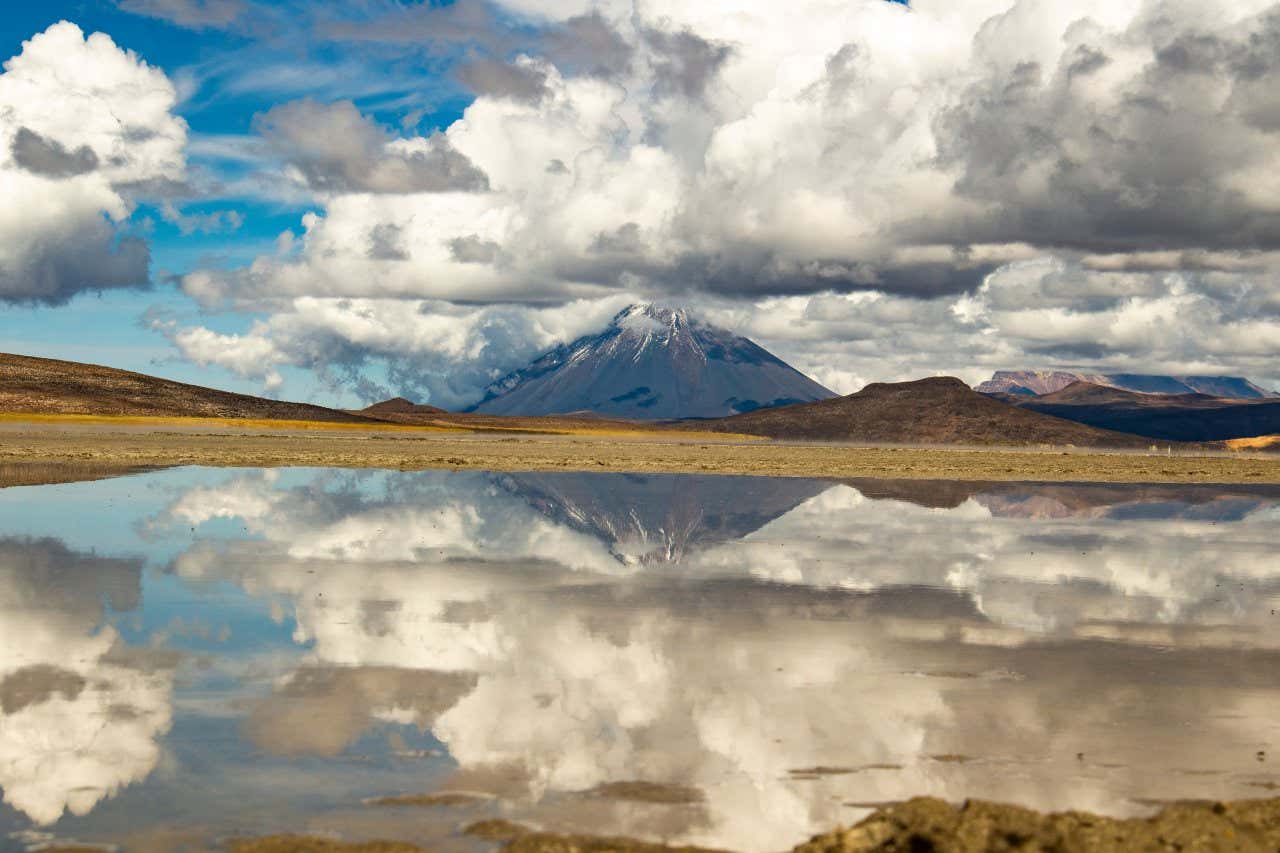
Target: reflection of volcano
{"x": 658, "y": 518}
{"x": 807, "y": 626}
{"x": 1157, "y": 501}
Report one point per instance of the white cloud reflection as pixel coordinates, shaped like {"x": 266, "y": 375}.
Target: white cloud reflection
{"x": 845, "y": 632}
{"x": 78, "y": 721}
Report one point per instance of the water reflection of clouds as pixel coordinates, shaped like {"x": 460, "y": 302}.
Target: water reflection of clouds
{"x": 1180, "y": 565}
{"x": 558, "y": 633}
{"x": 1051, "y": 576}
{"x": 79, "y": 719}
{"x": 846, "y": 631}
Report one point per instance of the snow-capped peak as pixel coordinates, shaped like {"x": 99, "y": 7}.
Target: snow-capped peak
{"x": 652, "y": 362}
{"x": 647, "y": 318}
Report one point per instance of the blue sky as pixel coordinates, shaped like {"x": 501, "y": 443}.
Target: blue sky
{"x": 348, "y": 200}
{"x": 225, "y": 79}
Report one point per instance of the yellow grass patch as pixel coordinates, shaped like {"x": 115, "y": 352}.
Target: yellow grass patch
{"x": 338, "y": 426}
{"x": 231, "y": 423}
{"x": 1257, "y": 442}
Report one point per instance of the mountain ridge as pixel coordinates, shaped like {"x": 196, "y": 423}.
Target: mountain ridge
{"x": 1165, "y": 417}
{"x": 1040, "y": 382}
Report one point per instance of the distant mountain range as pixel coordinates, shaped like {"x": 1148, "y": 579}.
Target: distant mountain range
{"x": 1035, "y": 382}
{"x": 1168, "y": 417}
{"x": 652, "y": 363}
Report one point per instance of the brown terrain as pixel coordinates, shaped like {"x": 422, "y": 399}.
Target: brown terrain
{"x": 934, "y": 428}
{"x": 401, "y": 411}
{"x": 45, "y": 386}
{"x": 939, "y": 410}
{"x": 430, "y": 416}
{"x": 936, "y": 411}
{"x": 100, "y": 446}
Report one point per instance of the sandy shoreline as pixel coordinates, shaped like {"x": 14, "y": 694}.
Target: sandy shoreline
{"x": 36, "y": 452}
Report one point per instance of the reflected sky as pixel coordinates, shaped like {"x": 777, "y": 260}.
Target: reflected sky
{"x": 728, "y": 661}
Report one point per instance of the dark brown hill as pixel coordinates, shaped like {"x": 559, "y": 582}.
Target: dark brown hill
{"x": 1181, "y": 417}
{"x": 46, "y": 386}
{"x": 940, "y": 410}
{"x": 401, "y": 411}
{"x": 399, "y": 406}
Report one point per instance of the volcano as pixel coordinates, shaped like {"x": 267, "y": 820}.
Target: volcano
{"x": 652, "y": 363}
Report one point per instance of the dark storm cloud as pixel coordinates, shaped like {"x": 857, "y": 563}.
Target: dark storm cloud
{"x": 1086, "y": 60}
{"x": 749, "y": 272}
{"x": 1155, "y": 169}
{"x": 587, "y": 44}
{"x": 89, "y": 255}
{"x": 35, "y": 685}
{"x": 47, "y": 572}
{"x": 1079, "y": 352}
{"x": 386, "y": 243}
{"x": 192, "y": 14}
{"x": 759, "y": 273}
{"x": 424, "y": 24}
{"x": 684, "y": 62}
{"x": 624, "y": 240}
{"x": 503, "y": 80}
{"x": 1255, "y": 64}
{"x": 49, "y": 157}
{"x": 337, "y": 149}
{"x": 473, "y": 249}
{"x": 842, "y": 71}
{"x": 343, "y": 698}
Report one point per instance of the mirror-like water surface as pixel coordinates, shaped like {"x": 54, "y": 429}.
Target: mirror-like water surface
{"x": 726, "y": 661}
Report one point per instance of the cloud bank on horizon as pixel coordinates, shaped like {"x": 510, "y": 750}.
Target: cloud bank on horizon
{"x": 873, "y": 190}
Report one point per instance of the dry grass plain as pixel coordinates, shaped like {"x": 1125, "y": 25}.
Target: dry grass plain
{"x": 31, "y": 448}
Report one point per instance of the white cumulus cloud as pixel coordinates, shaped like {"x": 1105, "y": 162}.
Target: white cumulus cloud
{"x": 84, "y": 127}
{"x": 782, "y": 160}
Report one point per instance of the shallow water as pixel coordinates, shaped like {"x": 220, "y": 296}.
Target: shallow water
{"x": 738, "y": 662}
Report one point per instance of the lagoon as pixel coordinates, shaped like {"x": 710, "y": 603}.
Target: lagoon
{"x": 195, "y": 654}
